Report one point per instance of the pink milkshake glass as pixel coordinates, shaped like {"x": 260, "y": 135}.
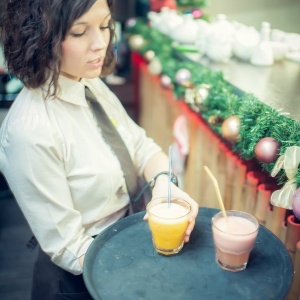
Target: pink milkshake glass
{"x": 234, "y": 239}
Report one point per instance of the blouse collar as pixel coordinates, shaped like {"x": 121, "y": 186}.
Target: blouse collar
{"x": 72, "y": 91}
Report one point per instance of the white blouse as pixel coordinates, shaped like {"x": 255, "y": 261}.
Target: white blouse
{"x": 64, "y": 176}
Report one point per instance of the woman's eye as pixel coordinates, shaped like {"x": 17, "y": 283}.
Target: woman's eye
{"x": 78, "y": 34}
{"x": 104, "y": 27}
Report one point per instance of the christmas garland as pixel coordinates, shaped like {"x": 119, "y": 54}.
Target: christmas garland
{"x": 259, "y": 125}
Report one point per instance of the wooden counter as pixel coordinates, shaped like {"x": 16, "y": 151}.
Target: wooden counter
{"x": 243, "y": 184}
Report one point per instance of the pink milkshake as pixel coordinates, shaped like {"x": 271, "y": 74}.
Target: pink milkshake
{"x": 234, "y": 239}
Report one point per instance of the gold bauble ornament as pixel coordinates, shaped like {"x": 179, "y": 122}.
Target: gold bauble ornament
{"x": 149, "y": 55}
{"x": 202, "y": 92}
{"x": 231, "y": 129}
{"x": 189, "y": 98}
{"x": 155, "y": 67}
{"x": 187, "y": 84}
{"x": 215, "y": 120}
{"x": 136, "y": 41}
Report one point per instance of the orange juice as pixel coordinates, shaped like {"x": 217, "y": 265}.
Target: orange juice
{"x": 168, "y": 224}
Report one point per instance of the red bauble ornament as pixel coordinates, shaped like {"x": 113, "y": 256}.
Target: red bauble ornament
{"x": 266, "y": 150}
{"x": 296, "y": 203}
{"x": 231, "y": 129}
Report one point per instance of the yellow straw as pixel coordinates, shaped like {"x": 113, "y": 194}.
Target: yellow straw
{"x": 216, "y": 185}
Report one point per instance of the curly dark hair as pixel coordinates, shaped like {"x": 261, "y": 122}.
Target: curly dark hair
{"x": 32, "y": 33}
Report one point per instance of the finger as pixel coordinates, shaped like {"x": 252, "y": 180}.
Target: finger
{"x": 186, "y": 238}
{"x": 194, "y": 213}
{"x": 145, "y": 218}
{"x": 194, "y": 207}
{"x": 189, "y": 231}
{"x": 193, "y": 216}
{"x": 190, "y": 227}
{"x": 187, "y": 235}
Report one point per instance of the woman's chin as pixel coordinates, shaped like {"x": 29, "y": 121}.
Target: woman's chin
{"x": 93, "y": 74}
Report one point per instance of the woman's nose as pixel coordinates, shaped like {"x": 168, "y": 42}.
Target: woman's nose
{"x": 99, "y": 40}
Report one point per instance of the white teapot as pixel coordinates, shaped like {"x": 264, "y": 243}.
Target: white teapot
{"x": 164, "y": 21}
{"x": 204, "y": 29}
{"x": 186, "y": 32}
{"x": 154, "y": 19}
{"x": 170, "y": 20}
{"x": 245, "y": 39}
{"x": 219, "y": 42}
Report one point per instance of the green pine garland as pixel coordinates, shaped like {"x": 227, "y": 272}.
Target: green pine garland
{"x": 199, "y": 3}
{"x": 257, "y": 119}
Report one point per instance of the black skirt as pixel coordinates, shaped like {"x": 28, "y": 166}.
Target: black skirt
{"x": 51, "y": 282}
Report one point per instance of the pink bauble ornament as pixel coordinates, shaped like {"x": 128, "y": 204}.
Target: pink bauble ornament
{"x": 197, "y": 13}
{"x": 231, "y": 129}
{"x": 266, "y": 150}
{"x": 296, "y": 203}
{"x": 165, "y": 81}
{"x": 182, "y": 75}
{"x": 130, "y": 22}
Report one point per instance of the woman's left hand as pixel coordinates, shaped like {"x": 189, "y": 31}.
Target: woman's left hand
{"x": 161, "y": 190}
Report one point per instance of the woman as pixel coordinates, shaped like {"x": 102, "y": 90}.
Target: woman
{"x": 61, "y": 170}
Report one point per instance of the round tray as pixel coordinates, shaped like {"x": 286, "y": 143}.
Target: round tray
{"x": 121, "y": 263}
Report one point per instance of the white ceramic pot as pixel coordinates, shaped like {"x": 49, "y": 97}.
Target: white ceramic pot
{"x": 219, "y": 41}
{"x": 246, "y": 38}
{"x": 219, "y": 52}
{"x": 187, "y": 31}
{"x": 204, "y": 29}
{"x": 262, "y": 54}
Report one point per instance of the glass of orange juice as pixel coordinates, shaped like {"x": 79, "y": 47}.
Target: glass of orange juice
{"x": 168, "y": 223}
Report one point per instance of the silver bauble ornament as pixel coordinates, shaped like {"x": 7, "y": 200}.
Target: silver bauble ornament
{"x": 266, "y": 150}
{"x": 182, "y": 75}
{"x": 155, "y": 67}
{"x": 231, "y": 129}
{"x": 136, "y": 41}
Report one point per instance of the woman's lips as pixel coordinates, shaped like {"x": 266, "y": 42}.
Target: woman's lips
{"x": 97, "y": 62}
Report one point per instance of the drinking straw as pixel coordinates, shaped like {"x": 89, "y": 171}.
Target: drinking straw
{"x": 170, "y": 175}
{"x": 216, "y": 185}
